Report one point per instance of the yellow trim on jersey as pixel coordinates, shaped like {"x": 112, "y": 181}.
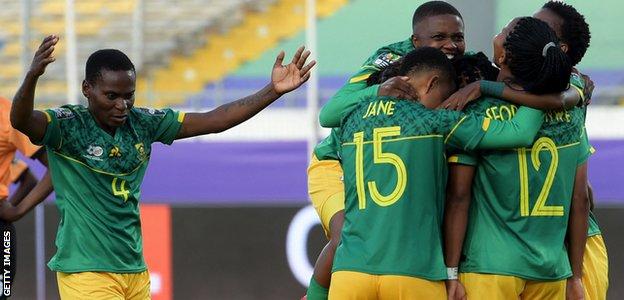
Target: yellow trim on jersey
{"x": 399, "y": 139}
{"x": 454, "y": 128}
{"x": 592, "y": 150}
{"x": 558, "y": 147}
{"x": 453, "y": 159}
{"x": 580, "y": 91}
{"x": 486, "y": 124}
{"x": 360, "y": 78}
{"x": 100, "y": 171}
{"x": 181, "y": 116}
{"x": 48, "y": 117}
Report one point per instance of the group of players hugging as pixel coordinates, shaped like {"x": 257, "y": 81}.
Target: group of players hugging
{"x": 449, "y": 176}
{"x": 445, "y": 175}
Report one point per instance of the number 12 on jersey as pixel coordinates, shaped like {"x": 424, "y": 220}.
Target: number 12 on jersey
{"x": 540, "y": 209}
{"x": 379, "y": 157}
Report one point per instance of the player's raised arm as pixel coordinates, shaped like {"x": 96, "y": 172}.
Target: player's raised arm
{"x": 283, "y": 80}
{"x": 23, "y": 118}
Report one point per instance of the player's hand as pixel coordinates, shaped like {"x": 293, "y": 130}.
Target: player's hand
{"x": 575, "y": 289}
{"x": 289, "y": 77}
{"x": 455, "y": 290}
{"x": 397, "y": 87}
{"x": 463, "y": 96}
{"x": 43, "y": 56}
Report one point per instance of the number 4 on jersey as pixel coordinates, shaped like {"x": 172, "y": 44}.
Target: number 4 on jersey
{"x": 122, "y": 190}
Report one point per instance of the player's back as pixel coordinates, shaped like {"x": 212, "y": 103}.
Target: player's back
{"x": 394, "y": 175}
{"x": 521, "y": 199}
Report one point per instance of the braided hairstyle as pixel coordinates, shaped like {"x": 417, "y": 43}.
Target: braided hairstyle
{"x": 538, "y": 66}
{"x": 473, "y": 67}
{"x": 574, "y": 29}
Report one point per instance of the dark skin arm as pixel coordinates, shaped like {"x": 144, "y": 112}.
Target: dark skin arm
{"x": 31, "y": 122}
{"x": 283, "y": 80}
{"x": 590, "y": 195}
{"x": 577, "y": 233}
{"x": 40, "y": 192}
{"x": 12, "y": 211}
{"x": 472, "y": 91}
{"x": 26, "y": 182}
{"x": 458, "y": 197}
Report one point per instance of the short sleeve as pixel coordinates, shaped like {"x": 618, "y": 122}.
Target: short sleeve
{"x": 53, "y": 137}
{"x": 467, "y": 132}
{"x": 585, "y": 149}
{"x": 463, "y": 158}
{"x": 167, "y": 126}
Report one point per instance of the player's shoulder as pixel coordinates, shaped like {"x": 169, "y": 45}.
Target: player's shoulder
{"x": 144, "y": 112}
{"x": 390, "y": 53}
{"x": 68, "y": 112}
{"x": 147, "y": 118}
{"x": 563, "y": 126}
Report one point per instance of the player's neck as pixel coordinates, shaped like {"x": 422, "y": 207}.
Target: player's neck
{"x": 108, "y": 129}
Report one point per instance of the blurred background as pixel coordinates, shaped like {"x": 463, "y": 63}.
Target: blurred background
{"x": 227, "y": 216}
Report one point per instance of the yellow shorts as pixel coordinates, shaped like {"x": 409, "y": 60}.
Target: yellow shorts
{"x": 495, "y": 287}
{"x": 326, "y": 189}
{"x": 347, "y": 285}
{"x": 595, "y": 269}
{"x": 103, "y": 285}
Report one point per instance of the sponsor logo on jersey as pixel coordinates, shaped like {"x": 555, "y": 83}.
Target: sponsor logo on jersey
{"x": 94, "y": 152}
{"x": 385, "y": 59}
{"x": 114, "y": 152}
{"x": 152, "y": 111}
{"x": 63, "y": 113}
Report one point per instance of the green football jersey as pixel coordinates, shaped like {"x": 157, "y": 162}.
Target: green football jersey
{"x": 521, "y": 199}
{"x": 97, "y": 179}
{"x": 356, "y": 87}
{"x": 393, "y": 157}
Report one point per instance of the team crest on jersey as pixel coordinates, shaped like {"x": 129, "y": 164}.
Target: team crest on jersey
{"x": 94, "y": 152}
{"x": 141, "y": 151}
{"x": 385, "y": 59}
{"x": 63, "y": 113}
{"x": 151, "y": 111}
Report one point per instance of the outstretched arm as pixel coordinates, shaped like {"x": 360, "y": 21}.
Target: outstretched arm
{"x": 283, "y": 80}
{"x": 566, "y": 99}
{"x": 23, "y": 118}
